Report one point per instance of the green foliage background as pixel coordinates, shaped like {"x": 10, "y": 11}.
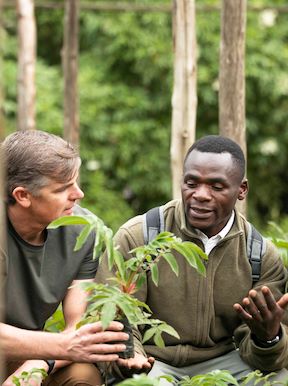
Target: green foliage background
{"x": 125, "y": 88}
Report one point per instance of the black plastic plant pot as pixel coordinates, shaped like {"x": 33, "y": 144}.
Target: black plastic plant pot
{"x": 129, "y": 351}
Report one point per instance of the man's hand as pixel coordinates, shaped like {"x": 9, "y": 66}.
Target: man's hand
{"x": 261, "y": 312}
{"x": 91, "y": 344}
{"x": 27, "y": 366}
{"x": 139, "y": 362}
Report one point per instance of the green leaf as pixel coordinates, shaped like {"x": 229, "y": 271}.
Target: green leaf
{"x": 68, "y": 220}
{"x": 191, "y": 257}
{"x": 155, "y": 274}
{"x": 148, "y": 334}
{"x": 108, "y": 314}
{"x": 83, "y": 236}
{"x": 140, "y": 281}
{"x": 158, "y": 340}
{"x": 169, "y": 330}
{"x": 119, "y": 263}
{"x": 171, "y": 260}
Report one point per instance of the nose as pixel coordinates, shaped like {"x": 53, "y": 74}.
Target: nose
{"x": 202, "y": 193}
{"x": 77, "y": 193}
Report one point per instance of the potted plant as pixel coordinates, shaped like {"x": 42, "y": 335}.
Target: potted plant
{"x": 116, "y": 300}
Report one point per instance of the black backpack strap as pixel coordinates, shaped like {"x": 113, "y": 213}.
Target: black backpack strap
{"x": 153, "y": 223}
{"x": 256, "y": 247}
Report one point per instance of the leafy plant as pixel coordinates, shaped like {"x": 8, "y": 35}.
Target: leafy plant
{"x": 280, "y": 239}
{"x": 212, "y": 378}
{"x": 144, "y": 380}
{"x": 115, "y": 301}
{"x": 26, "y": 377}
{"x": 56, "y": 321}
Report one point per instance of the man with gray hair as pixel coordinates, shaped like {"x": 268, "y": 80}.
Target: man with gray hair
{"x": 43, "y": 270}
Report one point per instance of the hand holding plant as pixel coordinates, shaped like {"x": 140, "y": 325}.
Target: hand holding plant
{"x": 115, "y": 301}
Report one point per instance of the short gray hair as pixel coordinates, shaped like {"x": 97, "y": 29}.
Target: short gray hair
{"x": 33, "y": 157}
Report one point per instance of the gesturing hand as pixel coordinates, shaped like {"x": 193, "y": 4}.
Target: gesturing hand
{"x": 261, "y": 312}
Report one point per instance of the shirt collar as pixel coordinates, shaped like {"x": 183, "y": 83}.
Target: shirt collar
{"x": 224, "y": 231}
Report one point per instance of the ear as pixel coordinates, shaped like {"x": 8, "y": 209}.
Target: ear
{"x": 243, "y": 189}
{"x": 22, "y": 196}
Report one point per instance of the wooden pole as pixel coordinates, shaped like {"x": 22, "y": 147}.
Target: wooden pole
{"x": 184, "y": 98}
{"x": 2, "y": 259}
{"x": 232, "y": 72}
{"x": 26, "y": 64}
{"x": 2, "y": 125}
{"x": 70, "y": 69}
{"x": 2, "y": 222}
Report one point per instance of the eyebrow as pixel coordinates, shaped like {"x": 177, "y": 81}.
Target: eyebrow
{"x": 210, "y": 180}
{"x": 63, "y": 187}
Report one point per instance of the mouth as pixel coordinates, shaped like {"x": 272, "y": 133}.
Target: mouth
{"x": 198, "y": 212}
{"x": 68, "y": 211}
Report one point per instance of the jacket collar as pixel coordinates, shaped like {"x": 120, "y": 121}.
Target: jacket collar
{"x": 237, "y": 227}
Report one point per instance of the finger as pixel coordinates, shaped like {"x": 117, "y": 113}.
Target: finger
{"x": 241, "y": 312}
{"x": 269, "y": 298}
{"x": 109, "y": 336}
{"x": 103, "y": 358}
{"x": 250, "y": 306}
{"x": 97, "y": 327}
{"x": 129, "y": 364}
{"x": 283, "y": 301}
{"x": 115, "y": 326}
{"x": 107, "y": 348}
{"x": 147, "y": 365}
{"x": 122, "y": 362}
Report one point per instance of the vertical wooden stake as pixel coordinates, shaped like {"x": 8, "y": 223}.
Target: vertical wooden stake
{"x": 26, "y": 64}
{"x": 2, "y": 222}
{"x": 70, "y": 69}
{"x": 184, "y": 98}
{"x": 232, "y": 75}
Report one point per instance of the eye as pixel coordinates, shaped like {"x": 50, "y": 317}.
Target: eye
{"x": 217, "y": 187}
{"x": 191, "y": 184}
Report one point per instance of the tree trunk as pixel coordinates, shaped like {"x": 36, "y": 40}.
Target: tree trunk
{"x": 26, "y": 64}
{"x": 70, "y": 69}
{"x": 184, "y": 98}
{"x": 2, "y": 126}
{"x": 232, "y": 74}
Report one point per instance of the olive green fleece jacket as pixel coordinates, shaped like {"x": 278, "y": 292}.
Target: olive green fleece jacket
{"x": 201, "y": 308}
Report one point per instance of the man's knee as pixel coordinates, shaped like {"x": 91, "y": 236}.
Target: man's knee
{"x": 76, "y": 374}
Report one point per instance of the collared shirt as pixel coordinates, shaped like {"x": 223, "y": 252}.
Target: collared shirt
{"x": 210, "y": 243}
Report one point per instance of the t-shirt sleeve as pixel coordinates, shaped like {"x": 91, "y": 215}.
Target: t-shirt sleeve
{"x": 88, "y": 267}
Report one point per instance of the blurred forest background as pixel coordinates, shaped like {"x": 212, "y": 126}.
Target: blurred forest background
{"x": 125, "y": 88}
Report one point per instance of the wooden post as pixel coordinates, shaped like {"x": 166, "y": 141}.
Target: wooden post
{"x": 2, "y": 127}
{"x": 184, "y": 98}
{"x": 70, "y": 69}
{"x": 2, "y": 222}
{"x": 232, "y": 75}
{"x": 2, "y": 257}
{"x": 26, "y": 64}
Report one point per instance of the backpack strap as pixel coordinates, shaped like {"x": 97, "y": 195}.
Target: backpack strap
{"x": 256, "y": 247}
{"x": 153, "y": 223}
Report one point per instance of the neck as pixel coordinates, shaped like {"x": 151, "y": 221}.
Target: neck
{"x": 28, "y": 230}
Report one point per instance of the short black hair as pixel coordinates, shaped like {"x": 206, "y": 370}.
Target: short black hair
{"x": 220, "y": 144}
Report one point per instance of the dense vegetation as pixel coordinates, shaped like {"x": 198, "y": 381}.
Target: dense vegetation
{"x": 125, "y": 86}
